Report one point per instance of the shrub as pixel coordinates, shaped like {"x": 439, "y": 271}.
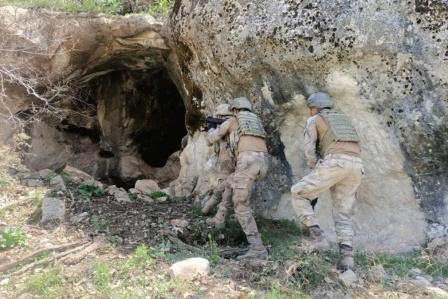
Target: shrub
{"x": 160, "y": 7}
{"x": 87, "y": 191}
{"x": 11, "y": 237}
{"x": 157, "y": 194}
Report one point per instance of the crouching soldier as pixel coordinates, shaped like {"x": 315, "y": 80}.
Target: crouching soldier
{"x": 247, "y": 142}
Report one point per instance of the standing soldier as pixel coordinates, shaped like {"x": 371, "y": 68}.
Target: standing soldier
{"x": 247, "y": 142}
{"x": 332, "y": 149}
{"x": 225, "y": 166}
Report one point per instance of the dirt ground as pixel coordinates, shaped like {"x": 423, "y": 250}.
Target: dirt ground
{"x": 99, "y": 230}
{"x": 124, "y": 226}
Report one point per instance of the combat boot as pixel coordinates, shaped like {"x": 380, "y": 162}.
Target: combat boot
{"x": 209, "y": 205}
{"x": 346, "y": 260}
{"x": 219, "y": 220}
{"x": 319, "y": 242}
{"x": 256, "y": 249}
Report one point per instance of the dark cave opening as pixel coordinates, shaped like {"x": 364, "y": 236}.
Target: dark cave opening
{"x": 165, "y": 121}
{"x": 143, "y": 112}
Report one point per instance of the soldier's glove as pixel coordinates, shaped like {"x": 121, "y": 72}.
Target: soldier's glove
{"x": 211, "y": 126}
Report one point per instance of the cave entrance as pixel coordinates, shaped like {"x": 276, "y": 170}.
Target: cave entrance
{"x": 164, "y": 120}
{"x": 140, "y": 112}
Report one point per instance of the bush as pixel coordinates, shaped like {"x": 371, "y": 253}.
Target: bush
{"x": 160, "y": 7}
{"x": 87, "y": 191}
{"x": 11, "y": 237}
{"x": 157, "y": 194}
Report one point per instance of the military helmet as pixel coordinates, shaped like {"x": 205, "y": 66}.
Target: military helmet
{"x": 241, "y": 103}
{"x": 320, "y": 100}
{"x": 223, "y": 110}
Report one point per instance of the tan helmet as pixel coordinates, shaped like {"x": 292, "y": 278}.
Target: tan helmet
{"x": 320, "y": 100}
{"x": 223, "y": 110}
{"x": 241, "y": 103}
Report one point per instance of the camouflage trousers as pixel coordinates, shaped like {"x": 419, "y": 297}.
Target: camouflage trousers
{"x": 250, "y": 167}
{"x": 342, "y": 175}
{"x": 226, "y": 168}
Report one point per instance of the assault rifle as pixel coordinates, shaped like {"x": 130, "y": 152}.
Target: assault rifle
{"x": 213, "y": 122}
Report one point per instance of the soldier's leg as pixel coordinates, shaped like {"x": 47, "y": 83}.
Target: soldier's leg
{"x": 343, "y": 195}
{"x": 304, "y": 193}
{"x": 216, "y": 197}
{"x": 226, "y": 204}
{"x": 243, "y": 212}
{"x": 248, "y": 169}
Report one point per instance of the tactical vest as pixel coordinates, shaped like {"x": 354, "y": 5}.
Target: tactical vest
{"x": 249, "y": 124}
{"x": 340, "y": 128}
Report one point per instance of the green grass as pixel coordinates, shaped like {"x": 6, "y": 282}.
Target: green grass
{"x": 213, "y": 256}
{"x": 142, "y": 256}
{"x": 46, "y": 285}
{"x": 102, "y": 278}
{"x": 281, "y": 236}
{"x": 402, "y": 265}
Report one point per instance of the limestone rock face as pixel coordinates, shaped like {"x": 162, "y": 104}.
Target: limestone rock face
{"x": 384, "y": 63}
{"x": 115, "y": 97}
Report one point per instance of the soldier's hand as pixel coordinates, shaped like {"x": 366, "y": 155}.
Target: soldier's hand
{"x": 211, "y": 126}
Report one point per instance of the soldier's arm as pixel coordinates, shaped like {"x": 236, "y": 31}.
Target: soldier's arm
{"x": 310, "y": 142}
{"x": 214, "y": 135}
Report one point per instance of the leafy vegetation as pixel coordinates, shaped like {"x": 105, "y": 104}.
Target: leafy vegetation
{"x": 50, "y": 176}
{"x": 99, "y": 224}
{"x": 88, "y": 191}
{"x": 110, "y": 7}
{"x": 105, "y": 6}
{"x": 160, "y": 7}
{"x": 11, "y": 237}
{"x": 214, "y": 256}
{"x": 133, "y": 196}
{"x": 157, "y": 194}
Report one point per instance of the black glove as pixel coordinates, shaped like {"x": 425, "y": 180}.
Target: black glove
{"x": 211, "y": 126}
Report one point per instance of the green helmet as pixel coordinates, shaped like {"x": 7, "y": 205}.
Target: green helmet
{"x": 241, "y": 103}
{"x": 320, "y": 100}
{"x": 222, "y": 110}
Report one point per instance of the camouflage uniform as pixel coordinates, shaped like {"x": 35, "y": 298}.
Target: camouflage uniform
{"x": 252, "y": 165}
{"x": 339, "y": 169}
{"x": 224, "y": 167}
{"x": 340, "y": 173}
{"x": 225, "y": 164}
